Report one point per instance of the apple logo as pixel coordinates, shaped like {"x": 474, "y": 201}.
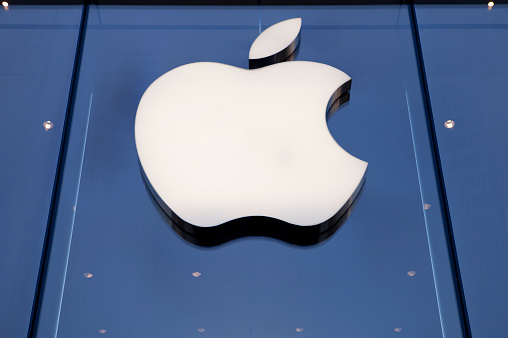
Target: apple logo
{"x": 229, "y": 152}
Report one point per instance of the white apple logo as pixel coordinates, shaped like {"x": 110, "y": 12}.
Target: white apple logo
{"x": 218, "y": 143}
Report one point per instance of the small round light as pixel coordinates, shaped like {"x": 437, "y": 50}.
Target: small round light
{"x": 5, "y": 4}
{"x": 426, "y": 206}
{"x": 411, "y": 273}
{"x": 397, "y": 329}
{"x": 196, "y": 274}
{"x": 299, "y": 329}
{"x": 201, "y": 330}
{"x": 449, "y": 124}
{"x": 491, "y": 4}
{"x": 102, "y": 331}
{"x": 47, "y": 125}
{"x": 88, "y": 275}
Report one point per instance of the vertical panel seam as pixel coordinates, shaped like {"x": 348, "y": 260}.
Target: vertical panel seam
{"x": 438, "y": 171}
{"x": 57, "y": 183}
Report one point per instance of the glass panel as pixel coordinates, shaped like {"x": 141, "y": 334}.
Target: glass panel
{"x": 130, "y": 274}
{"x": 37, "y": 46}
{"x": 465, "y": 50}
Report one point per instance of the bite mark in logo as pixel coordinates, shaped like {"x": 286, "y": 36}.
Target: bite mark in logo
{"x": 228, "y": 152}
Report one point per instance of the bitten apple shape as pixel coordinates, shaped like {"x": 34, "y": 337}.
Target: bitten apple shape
{"x": 218, "y": 143}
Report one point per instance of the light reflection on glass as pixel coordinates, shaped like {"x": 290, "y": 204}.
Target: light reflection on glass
{"x": 490, "y": 4}
{"x": 397, "y": 329}
{"x": 411, "y": 273}
{"x": 88, "y": 275}
{"x": 196, "y": 274}
{"x": 201, "y": 330}
{"x": 6, "y": 5}
{"x": 299, "y": 329}
{"x": 102, "y": 331}
{"x": 426, "y": 206}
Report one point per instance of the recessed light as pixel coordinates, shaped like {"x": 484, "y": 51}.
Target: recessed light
{"x": 490, "y": 4}
{"x": 5, "y": 4}
{"x": 47, "y": 125}
{"x": 449, "y": 124}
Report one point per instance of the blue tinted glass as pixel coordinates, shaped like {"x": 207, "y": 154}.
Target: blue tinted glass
{"x": 465, "y": 50}
{"x": 128, "y": 273}
{"x": 37, "y": 46}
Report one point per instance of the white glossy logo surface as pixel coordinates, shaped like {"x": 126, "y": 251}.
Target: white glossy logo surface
{"x": 218, "y": 143}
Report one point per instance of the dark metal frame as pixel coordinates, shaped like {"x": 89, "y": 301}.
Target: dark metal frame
{"x": 252, "y": 2}
{"x": 57, "y": 184}
{"x": 438, "y": 172}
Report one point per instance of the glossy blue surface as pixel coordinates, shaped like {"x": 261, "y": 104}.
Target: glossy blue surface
{"x": 37, "y": 46}
{"x": 465, "y": 50}
{"x": 354, "y": 284}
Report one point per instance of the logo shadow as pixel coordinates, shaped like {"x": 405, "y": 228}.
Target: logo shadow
{"x": 257, "y": 226}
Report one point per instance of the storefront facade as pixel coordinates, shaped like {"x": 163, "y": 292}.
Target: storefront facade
{"x": 85, "y": 251}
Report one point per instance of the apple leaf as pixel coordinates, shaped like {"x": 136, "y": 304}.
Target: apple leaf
{"x": 275, "y": 44}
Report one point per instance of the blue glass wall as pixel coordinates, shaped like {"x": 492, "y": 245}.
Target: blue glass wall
{"x": 378, "y": 265}
{"x": 465, "y": 50}
{"x": 37, "y": 47}
{"x": 118, "y": 268}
